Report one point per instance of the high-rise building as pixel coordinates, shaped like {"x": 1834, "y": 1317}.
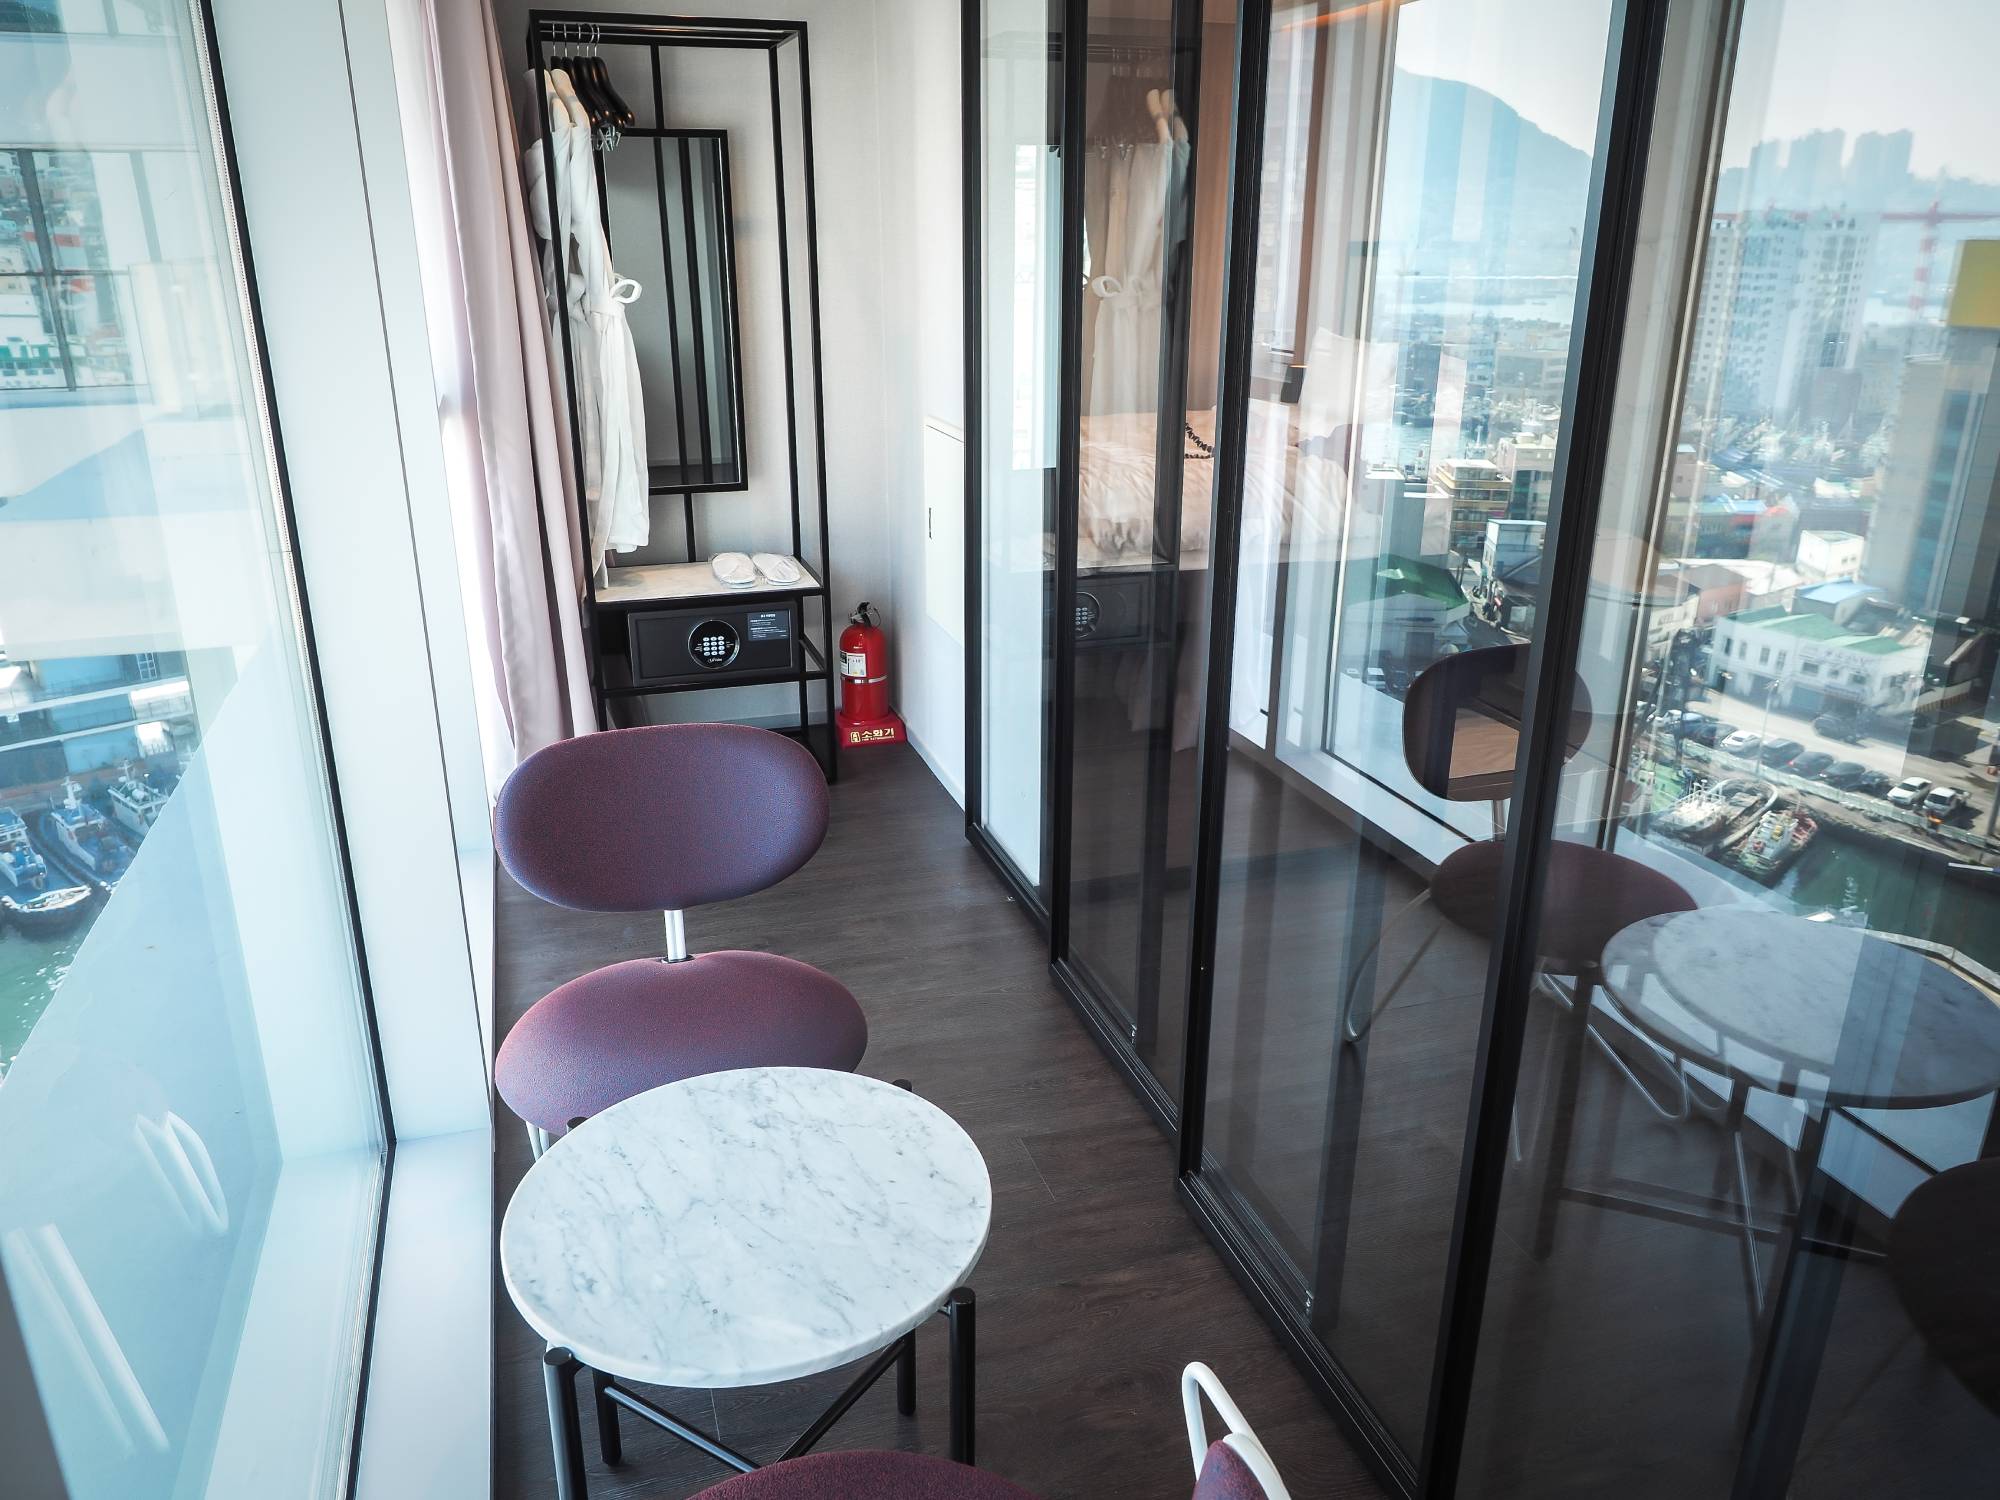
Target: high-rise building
{"x": 1473, "y": 493}
{"x": 1879, "y": 167}
{"x": 1527, "y": 461}
{"x": 1812, "y": 176}
{"x": 1781, "y": 302}
{"x": 1935, "y": 543}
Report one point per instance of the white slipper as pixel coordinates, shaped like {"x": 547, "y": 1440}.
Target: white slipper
{"x": 733, "y": 570}
{"x": 776, "y": 568}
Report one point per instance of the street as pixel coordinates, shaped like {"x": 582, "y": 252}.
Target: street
{"x": 1894, "y": 760}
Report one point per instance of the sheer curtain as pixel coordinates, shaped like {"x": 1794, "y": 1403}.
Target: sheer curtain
{"x": 513, "y": 497}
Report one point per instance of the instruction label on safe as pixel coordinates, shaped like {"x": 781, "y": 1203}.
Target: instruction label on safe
{"x": 770, "y": 625}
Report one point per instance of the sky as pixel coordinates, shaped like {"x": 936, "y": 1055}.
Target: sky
{"x": 1855, "y": 65}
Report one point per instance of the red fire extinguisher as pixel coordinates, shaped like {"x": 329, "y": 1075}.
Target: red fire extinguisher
{"x": 864, "y": 683}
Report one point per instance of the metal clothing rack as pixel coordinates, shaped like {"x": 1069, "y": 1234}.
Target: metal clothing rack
{"x": 637, "y": 625}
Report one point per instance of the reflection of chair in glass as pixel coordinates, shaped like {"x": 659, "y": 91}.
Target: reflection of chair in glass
{"x": 1461, "y": 732}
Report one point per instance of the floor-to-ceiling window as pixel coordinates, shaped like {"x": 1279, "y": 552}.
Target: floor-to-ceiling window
{"x": 1770, "y": 1270}
{"x": 189, "y": 1107}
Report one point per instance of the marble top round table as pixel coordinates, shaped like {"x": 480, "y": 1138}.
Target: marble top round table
{"x": 1867, "y": 1022}
{"x": 747, "y": 1227}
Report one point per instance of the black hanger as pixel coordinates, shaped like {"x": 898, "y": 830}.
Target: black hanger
{"x": 616, "y": 108}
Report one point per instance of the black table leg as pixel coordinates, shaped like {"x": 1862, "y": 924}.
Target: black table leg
{"x": 1561, "y": 1121}
{"x": 1798, "y": 1318}
{"x": 607, "y": 1419}
{"x": 960, "y": 1311}
{"x": 906, "y": 1375}
{"x": 559, "y": 1369}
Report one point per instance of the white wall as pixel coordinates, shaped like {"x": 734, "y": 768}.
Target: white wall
{"x": 917, "y": 107}
{"x": 885, "y": 150}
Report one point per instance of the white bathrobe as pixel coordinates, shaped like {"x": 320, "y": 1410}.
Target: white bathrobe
{"x": 611, "y": 417}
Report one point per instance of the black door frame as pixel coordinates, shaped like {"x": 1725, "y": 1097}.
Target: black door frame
{"x": 1633, "y": 66}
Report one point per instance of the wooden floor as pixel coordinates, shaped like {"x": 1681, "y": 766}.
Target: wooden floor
{"x": 1096, "y": 1287}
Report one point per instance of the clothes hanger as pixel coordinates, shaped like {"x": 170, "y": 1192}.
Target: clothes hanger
{"x": 584, "y": 73}
{"x": 619, "y": 111}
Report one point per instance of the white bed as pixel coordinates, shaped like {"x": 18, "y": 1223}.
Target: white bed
{"x": 1115, "y": 501}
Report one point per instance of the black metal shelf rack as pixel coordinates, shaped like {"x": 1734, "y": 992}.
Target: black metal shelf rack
{"x": 613, "y": 616}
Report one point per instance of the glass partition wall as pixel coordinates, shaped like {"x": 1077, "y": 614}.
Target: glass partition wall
{"x": 1513, "y": 775}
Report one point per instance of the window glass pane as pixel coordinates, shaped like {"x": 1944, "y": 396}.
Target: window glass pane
{"x": 190, "y": 1139}
{"x": 1760, "y": 1065}
{"x": 1020, "y": 219}
{"x": 1158, "y": 81}
{"x": 1425, "y": 187}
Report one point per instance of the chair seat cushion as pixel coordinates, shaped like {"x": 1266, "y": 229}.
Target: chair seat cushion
{"x": 621, "y": 1030}
{"x": 1590, "y": 897}
{"x": 866, "y": 1476}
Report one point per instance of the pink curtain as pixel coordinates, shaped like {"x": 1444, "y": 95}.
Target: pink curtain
{"x": 507, "y": 445}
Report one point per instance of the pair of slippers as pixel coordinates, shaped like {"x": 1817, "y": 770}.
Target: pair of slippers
{"x": 737, "y": 570}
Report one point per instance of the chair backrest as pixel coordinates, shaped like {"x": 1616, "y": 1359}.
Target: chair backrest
{"x": 660, "y": 818}
{"x": 1462, "y": 723}
{"x": 1234, "y": 1466}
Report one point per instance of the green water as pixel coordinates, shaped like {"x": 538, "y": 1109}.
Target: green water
{"x": 1893, "y": 886}
{"x": 31, "y": 970}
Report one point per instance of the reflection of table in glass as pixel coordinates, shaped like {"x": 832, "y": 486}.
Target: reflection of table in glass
{"x": 741, "y": 1229}
{"x": 1835, "y": 1018}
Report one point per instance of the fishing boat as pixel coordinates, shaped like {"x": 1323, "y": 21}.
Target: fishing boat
{"x": 26, "y": 894}
{"x": 1708, "y": 812}
{"x": 1775, "y": 843}
{"x": 77, "y": 840}
{"x": 133, "y": 803}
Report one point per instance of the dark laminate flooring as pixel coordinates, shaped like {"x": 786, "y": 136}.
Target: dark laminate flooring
{"x": 1096, "y": 1286}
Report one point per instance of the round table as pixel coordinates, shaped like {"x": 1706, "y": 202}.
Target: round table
{"x": 740, "y": 1229}
{"x": 1849, "y": 1018}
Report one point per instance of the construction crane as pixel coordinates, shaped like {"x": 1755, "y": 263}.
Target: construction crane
{"x": 1930, "y": 218}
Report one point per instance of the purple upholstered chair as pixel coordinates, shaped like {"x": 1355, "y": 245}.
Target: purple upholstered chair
{"x": 661, "y": 819}
{"x": 1461, "y": 734}
{"x": 1233, "y": 1467}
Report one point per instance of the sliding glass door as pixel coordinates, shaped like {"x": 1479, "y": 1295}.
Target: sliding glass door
{"x": 1013, "y": 173}
{"x": 1772, "y": 1247}
{"x": 1152, "y": 189}
{"x": 1425, "y": 187}
{"x": 1523, "y": 754}
{"x": 190, "y": 1114}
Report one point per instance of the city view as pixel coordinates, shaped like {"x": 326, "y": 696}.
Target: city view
{"x": 122, "y": 461}
{"x": 1820, "y": 640}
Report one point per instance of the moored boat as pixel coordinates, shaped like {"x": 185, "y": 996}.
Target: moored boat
{"x": 27, "y": 896}
{"x": 1780, "y": 837}
{"x": 1708, "y": 812}
{"x": 77, "y": 840}
{"x": 133, "y": 803}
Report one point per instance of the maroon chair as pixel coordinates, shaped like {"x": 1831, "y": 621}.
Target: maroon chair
{"x": 1461, "y": 734}
{"x": 661, "y": 819}
{"x": 1233, "y": 1467}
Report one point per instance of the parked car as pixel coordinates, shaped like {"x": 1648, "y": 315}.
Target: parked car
{"x": 1909, "y": 792}
{"x": 1743, "y": 742}
{"x": 1812, "y": 763}
{"x": 1838, "y": 727}
{"x": 1707, "y": 732}
{"x": 1778, "y": 752}
{"x": 1846, "y": 774}
{"x": 1871, "y": 784}
{"x": 1944, "y": 803}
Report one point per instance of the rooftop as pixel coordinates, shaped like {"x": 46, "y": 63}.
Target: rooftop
{"x": 1820, "y": 630}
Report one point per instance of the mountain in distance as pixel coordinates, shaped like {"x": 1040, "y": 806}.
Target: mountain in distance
{"x": 1494, "y": 194}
